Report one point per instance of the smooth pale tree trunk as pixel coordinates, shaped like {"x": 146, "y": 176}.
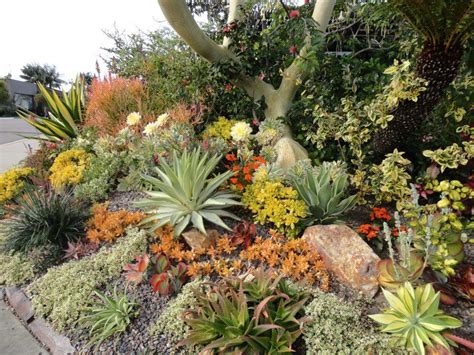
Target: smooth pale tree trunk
{"x": 278, "y": 100}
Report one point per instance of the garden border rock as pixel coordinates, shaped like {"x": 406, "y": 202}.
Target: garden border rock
{"x": 56, "y": 343}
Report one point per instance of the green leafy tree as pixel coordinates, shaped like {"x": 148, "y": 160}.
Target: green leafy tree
{"x": 279, "y": 96}
{"x": 45, "y": 74}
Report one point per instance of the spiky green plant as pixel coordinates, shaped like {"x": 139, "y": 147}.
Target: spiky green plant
{"x": 44, "y": 217}
{"x": 109, "y": 315}
{"x": 185, "y": 192}
{"x": 259, "y": 316}
{"x": 64, "y": 113}
{"x": 414, "y": 317}
{"x": 324, "y": 197}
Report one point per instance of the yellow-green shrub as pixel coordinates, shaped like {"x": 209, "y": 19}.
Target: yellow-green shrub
{"x": 61, "y": 294}
{"x": 272, "y": 201}
{"x": 12, "y": 181}
{"x": 68, "y": 168}
{"x": 15, "y": 269}
{"x": 219, "y": 129}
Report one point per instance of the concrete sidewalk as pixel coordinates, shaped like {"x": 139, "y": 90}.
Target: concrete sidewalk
{"x": 13, "y": 152}
{"x": 14, "y": 338}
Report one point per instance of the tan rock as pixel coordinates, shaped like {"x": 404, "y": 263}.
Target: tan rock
{"x": 196, "y": 240}
{"x": 346, "y": 255}
{"x": 289, "y": 152}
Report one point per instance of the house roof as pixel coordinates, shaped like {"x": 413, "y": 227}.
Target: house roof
{"x": 21, "y": 87}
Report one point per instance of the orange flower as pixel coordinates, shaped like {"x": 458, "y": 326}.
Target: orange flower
{"x": 234, "y": 180}
{"x": 369, "y": 230}
{"x": 248, "y": 177}
{"x": 231, "y": 157}
{"x": 246, "y": 169}
{"x": 380, "y": 213}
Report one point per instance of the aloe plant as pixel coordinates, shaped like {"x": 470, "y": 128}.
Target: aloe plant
{"x": 323, "y": 196}
{"x": 261, "y": 316}
{"x": 64, "y": 113}
{"x": 109, "y": 315}
{"x": 185, "y": 192}
{"x": 414, "y": 317}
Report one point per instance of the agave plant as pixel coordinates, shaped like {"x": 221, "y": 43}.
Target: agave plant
{"x": 249, "y": 317}
{"x": 323, "y": 196}
{"x": 414, "y": 317}
{"x": 185, "y": 192}
{"x": 108, "y": 316}
{"x": 64, "y": 113}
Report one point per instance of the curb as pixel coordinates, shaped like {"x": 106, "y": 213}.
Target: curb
{"x": 57, "y": 344}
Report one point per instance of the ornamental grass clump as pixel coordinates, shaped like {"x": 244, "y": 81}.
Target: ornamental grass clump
{"x": 414, "y": 318}
{"x": 44, "y": 217}
{"x": 63, "y": 293}
{"x": 68, "y": 168}
{"x": 259, "y": 314}
{"x": 185, "y": 192}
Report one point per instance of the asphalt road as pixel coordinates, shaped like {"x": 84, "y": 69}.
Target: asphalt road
{"x": 11, "y": 129}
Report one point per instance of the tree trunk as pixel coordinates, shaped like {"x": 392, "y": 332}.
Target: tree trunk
{"x": 439, "y": 66}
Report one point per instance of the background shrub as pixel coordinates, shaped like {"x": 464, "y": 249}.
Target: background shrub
{"x": 62, "y": 294}
{"x": 43, "y": 216}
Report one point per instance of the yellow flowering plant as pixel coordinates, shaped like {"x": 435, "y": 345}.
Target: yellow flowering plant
{"x": 220, "y": 129}
{"x": 272, "y": 201}
{"x": 68, "y": 168}
{"x": 12, "y": 182}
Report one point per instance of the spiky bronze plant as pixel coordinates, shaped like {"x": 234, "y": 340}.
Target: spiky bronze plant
{"x": 445, "y": 27}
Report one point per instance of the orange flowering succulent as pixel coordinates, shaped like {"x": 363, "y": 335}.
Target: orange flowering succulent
{"x": 381, "y": 214}
{"x": 243, "y": 170}
{"x": 369, "y": 230}
{"x": 106, "y": 226}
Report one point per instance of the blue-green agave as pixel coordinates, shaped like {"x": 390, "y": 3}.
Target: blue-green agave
{"x": 185, "y": 192}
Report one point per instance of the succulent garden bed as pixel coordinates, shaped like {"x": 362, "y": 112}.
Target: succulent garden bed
{"x": 147, "y": 221}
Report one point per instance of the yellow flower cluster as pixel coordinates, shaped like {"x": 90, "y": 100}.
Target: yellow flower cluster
{"x": 68, "y": 168}
{"x": 220, "y": 129}
{"x": 11, "y": 182}
{"x": 271, "y": 201}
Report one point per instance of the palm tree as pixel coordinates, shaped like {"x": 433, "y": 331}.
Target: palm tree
{"x": 44, "y": 74}
{"x": 445, "y": 26}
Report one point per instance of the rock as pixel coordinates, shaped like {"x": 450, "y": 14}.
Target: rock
{"x": 289, "y": 152}
{"x": 20, "y": 303}
{"x": 196, "y": 240}
{"x": 57, "y": 344}
{"x": 346, "y": 255}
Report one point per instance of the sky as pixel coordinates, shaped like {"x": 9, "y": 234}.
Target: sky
{"x": 66, "y": 33}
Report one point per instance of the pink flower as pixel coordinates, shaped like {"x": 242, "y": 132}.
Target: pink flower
{"x": 294, "y": 13}
{"x": 228, "y": 87}
{"x": 293, "y": 49}
{"x": 306, "y": 2}
{"x": 255, "y": 122}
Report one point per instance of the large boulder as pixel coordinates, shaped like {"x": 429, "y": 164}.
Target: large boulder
{"x": 346, "y": 255}
{"x": 289, "y": 152}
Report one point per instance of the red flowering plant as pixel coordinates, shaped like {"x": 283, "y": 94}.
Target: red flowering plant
{"x": 243, "y": 167}
{"x": 373, "y": 231}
